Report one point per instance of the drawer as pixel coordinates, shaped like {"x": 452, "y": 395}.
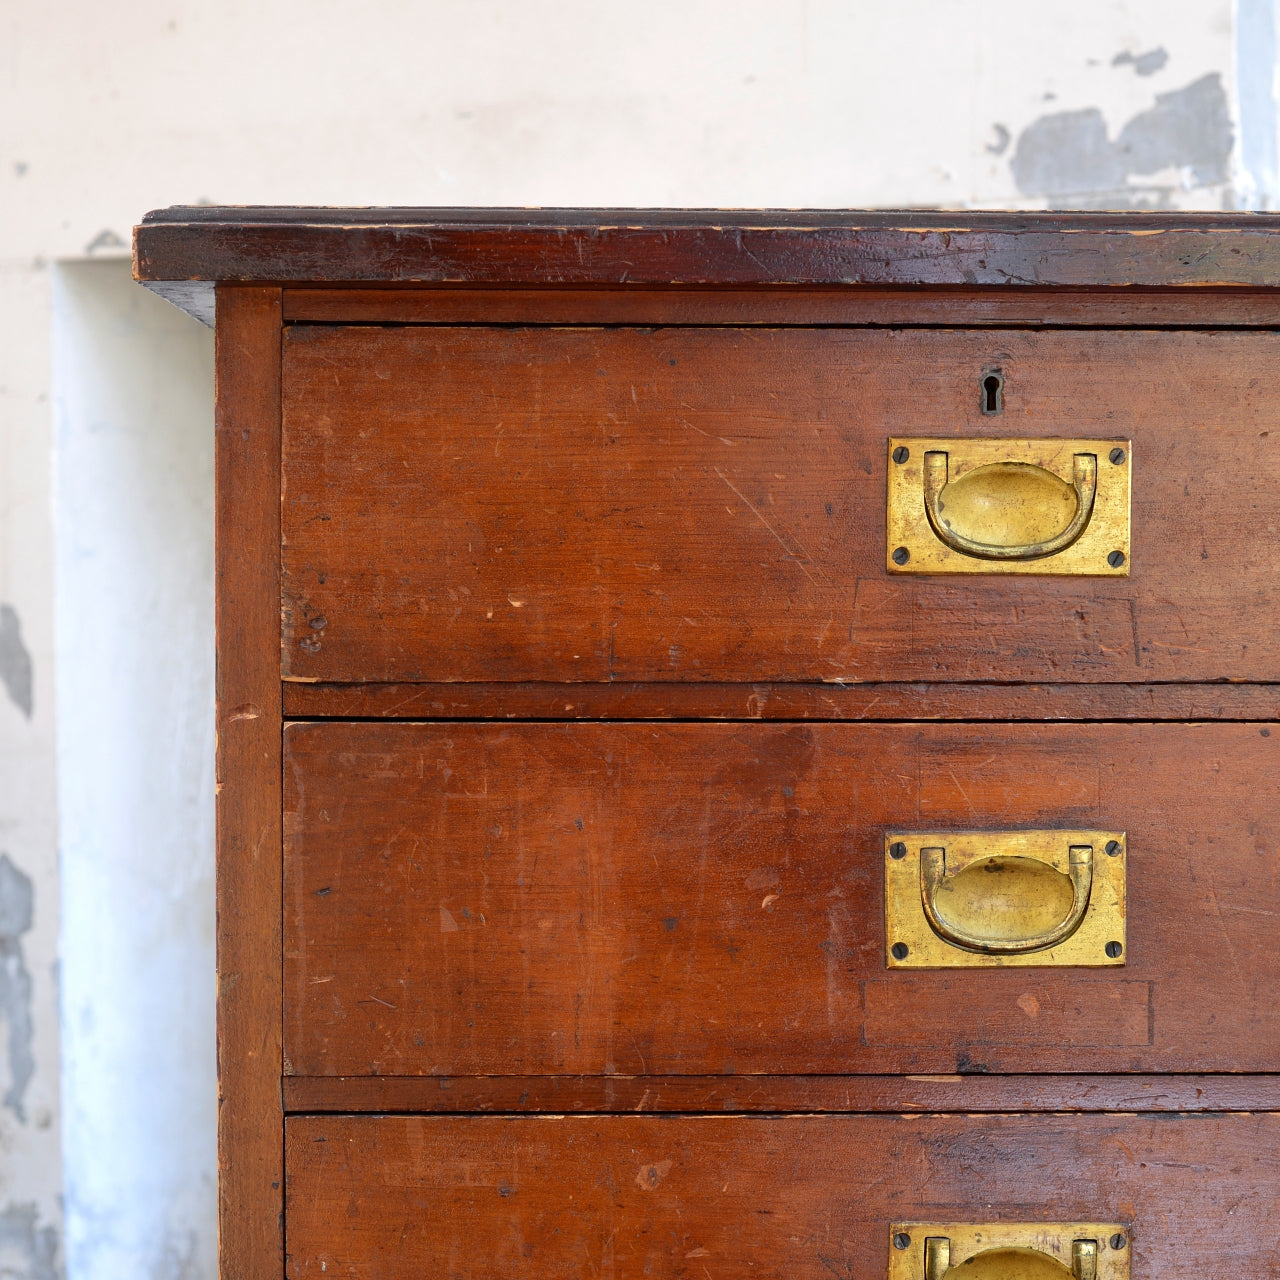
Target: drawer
{"x": 596, "y": 504}
{"x": 527, "y": 899}
{"x": 806, "y": 1197}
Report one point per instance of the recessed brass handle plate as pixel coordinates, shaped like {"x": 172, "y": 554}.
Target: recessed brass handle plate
{"x": 1009, "y": 1251}
{"x": 968, "y": 505}
{"x": 981, "y": 899}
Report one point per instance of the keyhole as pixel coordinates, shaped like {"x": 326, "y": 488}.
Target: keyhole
{"x": 993, "y": 392}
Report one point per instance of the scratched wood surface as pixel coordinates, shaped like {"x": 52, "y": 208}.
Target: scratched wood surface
{"x": 785, "y": 305}
{"x": 250, "y": 1116}
{"x": 806, "y": 1197}
{"x": 520, "y": 899}
{"x": 718, "y": 1094}
{"x": 659, "y": 700}
{"x": 708, "y": 504}
{"x": 547, "y": 247}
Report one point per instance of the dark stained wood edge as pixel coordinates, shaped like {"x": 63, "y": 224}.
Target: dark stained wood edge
{"x": 702, "y": 247}
{"x": 709, "y": 1094}
{"x": 906, "y": 701}
{"x": 786, "y": 305}
{"x": 249, "y": 879}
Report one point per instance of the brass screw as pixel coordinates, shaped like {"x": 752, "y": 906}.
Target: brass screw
{"x": 1113, "y": 848}
{"x": 903, "y": 1241}
{"x": 897, "y": 850}
{"x": 899, "y": 951}
{"x": 1113, "y": 950}
{"x": 1115, "y": 559}
{"x": 901, "y": 454}
{"x": 901, "y": 555}
{"x": 1118, "y": 1241}
{"x": 1116, "y": 456}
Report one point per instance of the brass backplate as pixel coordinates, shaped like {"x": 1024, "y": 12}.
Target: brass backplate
{"x": 1014, "y": 900}
{"x": 1108, "y": 1259}
{"x": 914, "y": 547}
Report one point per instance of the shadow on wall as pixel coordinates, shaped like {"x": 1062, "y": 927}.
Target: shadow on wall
{"x": 1069, "y": 155}
{"x": 133, "y": 513}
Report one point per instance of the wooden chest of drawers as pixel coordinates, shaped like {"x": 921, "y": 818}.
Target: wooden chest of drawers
{"x": 745, "y": 742}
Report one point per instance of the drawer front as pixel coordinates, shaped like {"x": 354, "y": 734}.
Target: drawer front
{"x": 616, "y": 504}
{"x": 710, "y": 898}
{"x": 806, "y": 1197}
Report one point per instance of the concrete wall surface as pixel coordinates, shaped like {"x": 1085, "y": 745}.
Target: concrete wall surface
{"x": 106, "y": 1084}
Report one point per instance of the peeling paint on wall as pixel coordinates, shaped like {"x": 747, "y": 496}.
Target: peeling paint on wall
{"x": 15, "y": 666}
{"x": 17, "y": 909}
{"x": 1145, "y": 64}
{"x": 1002, "y": 139}
{"x": 1069, "y": 153}
{"x": 27, "y": 1251}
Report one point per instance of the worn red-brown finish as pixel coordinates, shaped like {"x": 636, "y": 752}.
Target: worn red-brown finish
{"x": 662, "y": 700}
{"x": 250, "y": 1116}
{"x": 695, "y": 504}
{"x": 787, "y": 305}
{"x": 178, "y": 251}
{"x": 975, "y": 1093}
{"x": 701, "y": 899}
{"x": 616, "y": 476}
{"x": 806, "y": 1197}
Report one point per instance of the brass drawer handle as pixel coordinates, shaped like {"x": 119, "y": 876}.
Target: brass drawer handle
{"x": 1012, "y": 505}
{"x": 933, "y": 869}
{"x": 1001, "y": 899}
{"x": 1023, "y": 489}
{"x": 1006, "y": 1264}
{"x": 1009, "y": 1251}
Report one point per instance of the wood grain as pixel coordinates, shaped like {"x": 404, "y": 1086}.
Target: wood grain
{"x": 708, "y": 505}
{"x": 783, "y": 305}
{"x": 807, "y": 1197}
{"x": 971, "y": 1094}
{"x": 491, "y": 700}
{"x": 250, "y": 1115}
{"x": 708, "y": 899}
{"x": 548, "y": 247}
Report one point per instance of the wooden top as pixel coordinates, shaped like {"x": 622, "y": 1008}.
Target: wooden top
{"x": 181, "y": 252}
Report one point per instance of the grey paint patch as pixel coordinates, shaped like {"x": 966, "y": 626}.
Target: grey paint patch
{"x": 15, "y": 665}
{"x": 1190, "y": 127}
{"x": 17, "y": 910}
{"x": 27, "y": 1252}
{"x": 1069, "y": 153}
{"x": 107, "y": 239}
{"x": 1066, "y": 153}
{"x": 1001, "y": 144}
{"x": 1145, "y": 64}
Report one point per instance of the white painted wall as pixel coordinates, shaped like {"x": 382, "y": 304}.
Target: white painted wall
{"x": 133, "y": 439}
{"x": 111, "y": 110}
